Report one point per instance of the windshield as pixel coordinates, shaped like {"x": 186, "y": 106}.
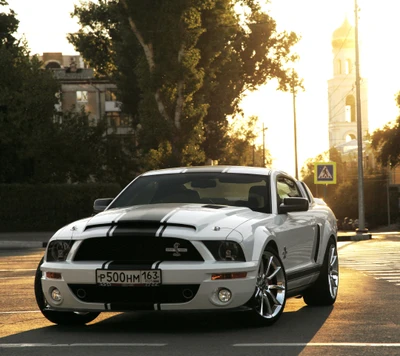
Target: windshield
{"x": 247, "y": 190}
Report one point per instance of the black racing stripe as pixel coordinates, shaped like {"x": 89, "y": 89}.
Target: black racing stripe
{"x": 109, "y": 231}
{"x": 136, "y": 229}
{"x": 162, "y": 230}
{"x": 303, "y": 273}
{"x": 158, "y": 306}
{"x": 151, "y": 212}
{"x": 157, "y": 264}
{"x": 128, "y": 266}
{"x": 104, "y": 265}
{"x": 131, "y": 306}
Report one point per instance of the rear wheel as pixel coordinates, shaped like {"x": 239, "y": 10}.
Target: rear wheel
{"x": 325, "y": 289}
{"x": 269, "y": 297}
{"x": 57, "y": 317}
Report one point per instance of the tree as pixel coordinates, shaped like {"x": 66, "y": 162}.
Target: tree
{"x": 183, "y": 66}
{"x": 241, "y": 148}
{"x": 26, "y": 104}
{"x": 386, "y": 142}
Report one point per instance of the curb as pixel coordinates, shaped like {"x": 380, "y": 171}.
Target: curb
{"x": 22, "y": 244}
{"x": 354, "y": 237}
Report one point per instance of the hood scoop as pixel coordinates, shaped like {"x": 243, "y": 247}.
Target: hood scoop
{"x": 212, "y": 206}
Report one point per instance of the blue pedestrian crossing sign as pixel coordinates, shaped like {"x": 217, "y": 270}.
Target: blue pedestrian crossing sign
{"x": 325, "y": 173}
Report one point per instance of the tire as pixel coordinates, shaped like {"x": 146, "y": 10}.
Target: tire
{"x": 58, "y": 317}
{"x": 325, "y": 289}
{"x": 269, "y": 298}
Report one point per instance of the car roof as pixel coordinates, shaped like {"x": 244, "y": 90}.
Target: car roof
{"x": 216, "y": 169}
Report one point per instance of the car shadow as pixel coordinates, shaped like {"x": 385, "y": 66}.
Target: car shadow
{"x": 228, "y": 327}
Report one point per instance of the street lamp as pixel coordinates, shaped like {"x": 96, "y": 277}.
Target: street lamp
{"x": 254, "y": 146}
{"x": 263, "y": 131}
{"x": 295, "y": 126}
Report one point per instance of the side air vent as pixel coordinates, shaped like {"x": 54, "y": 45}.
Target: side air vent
{"x": 317, "y": 243}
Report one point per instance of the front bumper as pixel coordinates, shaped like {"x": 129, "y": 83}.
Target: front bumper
{"x": 185, "y": 286}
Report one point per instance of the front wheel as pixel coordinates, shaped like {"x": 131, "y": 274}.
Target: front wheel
{"x": 58, "y": 317}
{"x": 269, "y": 297}
{"x": 325, "y": 289}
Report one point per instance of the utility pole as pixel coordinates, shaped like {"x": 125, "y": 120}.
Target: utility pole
{"x": 295, "y": 128}
{"x": 361, "y": 214}
{"x": 263, "y": 132}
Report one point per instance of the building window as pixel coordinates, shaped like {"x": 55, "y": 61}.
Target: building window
{"x": 82, "y": 96}
{"x": 58, "y": 118}
{"x": 52, "y": 64}
{"x": 348, "y": 66}
{"x": 339, "y": 66}
{"x": 350, "y": 110}
{"x": 117, "y": 119}
{"x": 111, "y": 95}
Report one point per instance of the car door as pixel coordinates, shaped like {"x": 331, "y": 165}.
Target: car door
{"x": 295, "y": 231}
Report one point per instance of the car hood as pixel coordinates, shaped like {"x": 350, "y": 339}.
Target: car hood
{"x": 193, "y": 221}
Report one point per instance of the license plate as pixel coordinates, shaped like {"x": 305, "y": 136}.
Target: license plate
{"x": 109, "y": 278}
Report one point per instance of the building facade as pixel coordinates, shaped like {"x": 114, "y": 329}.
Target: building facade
{"x": 81, "y": 89}
{"x": 342, "y": 90}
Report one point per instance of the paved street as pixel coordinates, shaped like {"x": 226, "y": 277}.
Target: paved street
{"x": 364, "y": 321}
{"x": 378, "y": 257}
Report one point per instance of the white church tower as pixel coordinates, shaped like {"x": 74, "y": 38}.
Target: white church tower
{"x": 342, "y": 90}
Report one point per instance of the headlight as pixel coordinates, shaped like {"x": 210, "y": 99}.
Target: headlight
{"x": 58, "y": 250}
{"x": 225, "y": 250}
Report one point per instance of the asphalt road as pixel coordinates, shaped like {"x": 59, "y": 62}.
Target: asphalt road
{"x": 365, "y": 320}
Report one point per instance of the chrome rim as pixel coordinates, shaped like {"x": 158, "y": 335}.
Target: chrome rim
{"x": 270, "y": 287}
{"x": 333, "y": 271}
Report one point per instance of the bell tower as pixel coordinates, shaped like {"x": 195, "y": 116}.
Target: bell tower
{"x": 342, "y": 90}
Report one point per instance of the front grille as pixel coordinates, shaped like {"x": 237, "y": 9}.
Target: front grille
{"x": 137, "y": 249}
{"x": 137, "y": 298}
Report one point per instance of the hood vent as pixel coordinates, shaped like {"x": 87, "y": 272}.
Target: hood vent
{"x": 211, "y": 206}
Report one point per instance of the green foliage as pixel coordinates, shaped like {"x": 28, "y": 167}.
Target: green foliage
{"x": 342, "y": 197}
{"x": 182, "y": 67}
{"x": 48, "y": 207}
{"x": 26, "y": 105}
{"x": 386, "y": 142}
{"x": 343, "y": 200}
{"x": 343, "y": 173}
{"x": 241, "y": 148}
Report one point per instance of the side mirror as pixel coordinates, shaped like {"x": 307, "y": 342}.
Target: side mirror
{"x": 99, "y": 205}
{"x": 293, "y": 204}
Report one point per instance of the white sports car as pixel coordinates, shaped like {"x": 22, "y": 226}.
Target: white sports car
{"x": 195, "y": 238}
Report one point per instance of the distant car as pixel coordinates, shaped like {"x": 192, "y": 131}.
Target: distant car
{"x": 194, "y": 238}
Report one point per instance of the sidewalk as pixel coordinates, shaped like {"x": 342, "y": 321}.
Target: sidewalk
{"x": 9, "y": 240}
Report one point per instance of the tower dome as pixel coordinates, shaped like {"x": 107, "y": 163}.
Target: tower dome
{"x": 344, "y": 36}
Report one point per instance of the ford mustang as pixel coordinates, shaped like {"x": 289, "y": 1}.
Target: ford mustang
{"x": 194, "y": 238}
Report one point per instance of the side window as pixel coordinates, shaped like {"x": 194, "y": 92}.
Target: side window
{"x": 286, "y": 188}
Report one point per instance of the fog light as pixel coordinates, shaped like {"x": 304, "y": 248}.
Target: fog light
{"x": 56, "y": 295}
{"x": 224, "y": 295}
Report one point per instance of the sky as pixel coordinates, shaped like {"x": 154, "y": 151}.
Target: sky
{"x": 45, "y": 26}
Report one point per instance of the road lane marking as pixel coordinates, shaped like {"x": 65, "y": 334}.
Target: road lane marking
{"x": 21, "y": 312}
{"x": 305, "y": 344}
{"x": 17, "y": 277}
{"x": 18, "y": 270}
{"x": 294, "y": 344}
{"x": 127, "y": 344}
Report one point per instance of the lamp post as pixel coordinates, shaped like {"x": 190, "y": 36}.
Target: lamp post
{"x": 361, "y": 218}
{"x": 263, "y": 132}
{"x": 295, "y": 127}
